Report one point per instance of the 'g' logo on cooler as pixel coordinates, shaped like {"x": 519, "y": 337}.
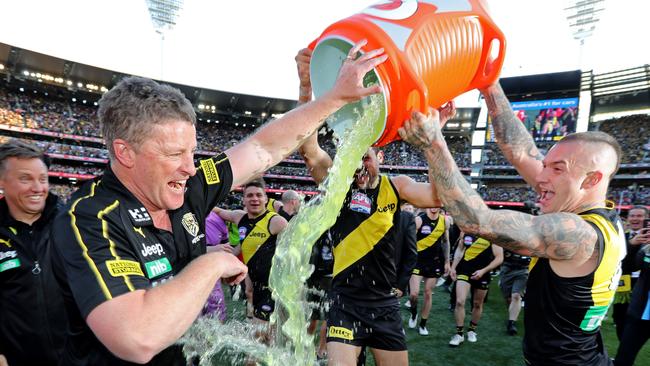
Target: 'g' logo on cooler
{"x": 398, "y": 10}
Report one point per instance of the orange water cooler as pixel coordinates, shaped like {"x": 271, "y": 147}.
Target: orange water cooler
{"x": 437, "y": 50}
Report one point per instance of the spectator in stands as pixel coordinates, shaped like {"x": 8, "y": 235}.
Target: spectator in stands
{"x": 32, "y": 316}
{"x": 156, "y": 201}
{"x": 631, "y": 132}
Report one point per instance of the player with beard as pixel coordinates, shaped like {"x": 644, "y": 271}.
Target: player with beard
{"x": 364, "y": 309}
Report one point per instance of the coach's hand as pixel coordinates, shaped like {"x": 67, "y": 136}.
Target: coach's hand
{"x": 233, "y": 271}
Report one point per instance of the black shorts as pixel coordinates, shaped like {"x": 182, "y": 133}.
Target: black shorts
{"x": 429, "y": 268}
{"x": 318, "y": 296}
{"x": 363, "y": 326}
{"x": 464, "y": 273}
{"x": 263, "y": 304}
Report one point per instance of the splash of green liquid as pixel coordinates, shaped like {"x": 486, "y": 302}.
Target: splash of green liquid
{"x": 291, "y": 267}
{"x": 208, "y": 338}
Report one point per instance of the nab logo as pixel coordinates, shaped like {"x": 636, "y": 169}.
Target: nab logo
{"x": 388, "y": 208}
{"x": 148, "y": 250}
{"x": 140, "y": 215}
{"x": 157, "y": 267}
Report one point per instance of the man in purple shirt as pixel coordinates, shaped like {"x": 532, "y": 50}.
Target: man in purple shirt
{"x": 216, "y": 234}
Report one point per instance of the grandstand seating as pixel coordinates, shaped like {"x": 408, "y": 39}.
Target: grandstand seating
{"x": 81, "y": 155}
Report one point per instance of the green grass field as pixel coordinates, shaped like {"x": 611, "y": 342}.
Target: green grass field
{"x": 494, "y": 346}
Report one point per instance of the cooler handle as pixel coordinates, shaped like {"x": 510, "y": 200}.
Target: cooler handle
{"x": 413, "y": 84}
{"x": 489, "y": 69}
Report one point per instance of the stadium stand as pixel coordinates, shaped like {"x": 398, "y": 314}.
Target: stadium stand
{"x": 78, "y": 154}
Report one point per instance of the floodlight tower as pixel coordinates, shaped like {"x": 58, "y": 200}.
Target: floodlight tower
{"x": 583, "y": 16}
{"x": 163, "y": 15}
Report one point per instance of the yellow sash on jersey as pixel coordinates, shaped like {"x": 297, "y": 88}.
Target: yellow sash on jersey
{"x": 476, "y": 248}
{"x": 256, "y": 237}
{"x": 437, "y": 232}
{"x": 364, "y": 238}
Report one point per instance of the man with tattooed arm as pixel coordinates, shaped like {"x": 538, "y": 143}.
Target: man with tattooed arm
{"x": 576, "y": 244}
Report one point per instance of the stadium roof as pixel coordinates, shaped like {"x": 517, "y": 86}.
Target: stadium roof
{"x": 18, "y": 61}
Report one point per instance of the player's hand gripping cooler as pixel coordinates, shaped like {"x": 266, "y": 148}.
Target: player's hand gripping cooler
{"x": 437, "y": 50}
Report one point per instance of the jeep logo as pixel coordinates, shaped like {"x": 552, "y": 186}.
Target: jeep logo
{"x": 257, "y": 235}
{"x": 148, "y": 250}
{"x": 388, "y": 208}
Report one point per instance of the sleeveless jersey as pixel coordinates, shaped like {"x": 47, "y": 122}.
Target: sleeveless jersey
{"x": 478, "y": 252}
{"x": 429, "y": 238}
{"x": 270, "y": 205}
{"x": 257, "y": 244}
{"x": 563, "y": 315}
{"x": 363, "y": 241}
{"x": 285, "y": 214}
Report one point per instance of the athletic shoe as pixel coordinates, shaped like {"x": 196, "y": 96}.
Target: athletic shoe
{"x": 471, "y": 336}
{"x": 407, "y": 304}
{"x": 423, "y": 331}
{"x": 512, "y": 329}
{"x": 456, "y": 340}
{"x": 413, "y": 322}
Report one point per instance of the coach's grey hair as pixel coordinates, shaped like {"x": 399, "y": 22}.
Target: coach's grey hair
{"x": 130, "y": 109}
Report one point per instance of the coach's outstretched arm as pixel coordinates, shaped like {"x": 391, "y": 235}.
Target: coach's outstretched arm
{"x": 512, "y": 137}
{"x": 276, "y": 140}
{"x": 559, "y": 236}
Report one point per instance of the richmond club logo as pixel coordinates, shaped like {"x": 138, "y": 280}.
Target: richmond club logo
{"x": 190, "y": 223}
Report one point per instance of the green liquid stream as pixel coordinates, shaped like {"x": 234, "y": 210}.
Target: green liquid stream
{"x": 291, "y": 268}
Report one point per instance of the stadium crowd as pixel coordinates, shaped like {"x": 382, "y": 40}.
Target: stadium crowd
{"x": 633, "y": 133}
{"x": 39, "y": 111}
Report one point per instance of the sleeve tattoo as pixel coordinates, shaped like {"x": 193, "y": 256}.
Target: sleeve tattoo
{"x": 511, "y": 135}
{"x": 557, "y": 236}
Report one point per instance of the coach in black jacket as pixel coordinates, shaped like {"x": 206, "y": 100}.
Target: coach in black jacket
{"x": 32, "y": 317}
